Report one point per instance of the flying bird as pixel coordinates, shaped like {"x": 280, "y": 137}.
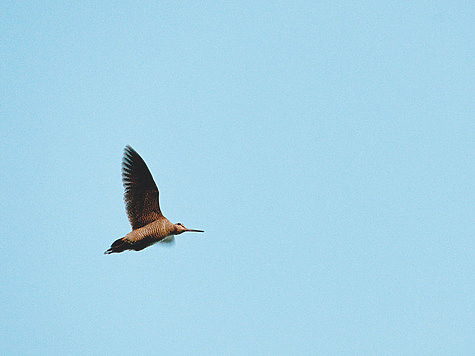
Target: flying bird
{"x": 149, "y": 226}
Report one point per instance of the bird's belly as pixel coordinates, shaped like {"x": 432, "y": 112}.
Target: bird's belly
{"x": 145, "y": 241}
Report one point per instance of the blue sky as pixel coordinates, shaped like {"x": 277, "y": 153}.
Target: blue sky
{"x": 325, "y": 147}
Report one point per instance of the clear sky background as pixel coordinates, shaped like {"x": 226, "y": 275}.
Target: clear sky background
{"x": 325, "y": 147}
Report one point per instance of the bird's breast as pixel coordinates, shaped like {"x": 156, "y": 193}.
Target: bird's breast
{"x": 155, "y": 231}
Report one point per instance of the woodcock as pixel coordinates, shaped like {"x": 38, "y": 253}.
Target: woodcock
{"x": 149, "y": 226}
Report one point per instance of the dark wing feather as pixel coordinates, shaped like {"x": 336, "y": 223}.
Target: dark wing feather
{"x": 141, "y": 192}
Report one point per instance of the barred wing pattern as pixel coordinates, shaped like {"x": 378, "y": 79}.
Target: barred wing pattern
{"x": 141, "y": 192}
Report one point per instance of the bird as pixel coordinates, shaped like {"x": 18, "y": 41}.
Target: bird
{"x": 149, "y": 226}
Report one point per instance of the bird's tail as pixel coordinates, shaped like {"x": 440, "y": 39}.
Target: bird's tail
{"x": 119, "y": 245}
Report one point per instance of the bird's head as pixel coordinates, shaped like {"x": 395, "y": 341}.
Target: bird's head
{"x": 180, "y": 228}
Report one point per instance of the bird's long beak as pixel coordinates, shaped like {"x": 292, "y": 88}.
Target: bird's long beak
{"x": 192, "y": 230}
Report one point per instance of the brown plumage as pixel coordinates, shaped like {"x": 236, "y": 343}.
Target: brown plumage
{"x": 143, "y": 209}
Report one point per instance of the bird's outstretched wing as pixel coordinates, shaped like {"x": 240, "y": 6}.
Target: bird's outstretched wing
{"x": 141, "y": 192}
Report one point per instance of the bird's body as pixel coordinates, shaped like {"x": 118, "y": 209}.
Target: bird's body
{"x": 149, "y": 226}
{"x": 157, "y": 231}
